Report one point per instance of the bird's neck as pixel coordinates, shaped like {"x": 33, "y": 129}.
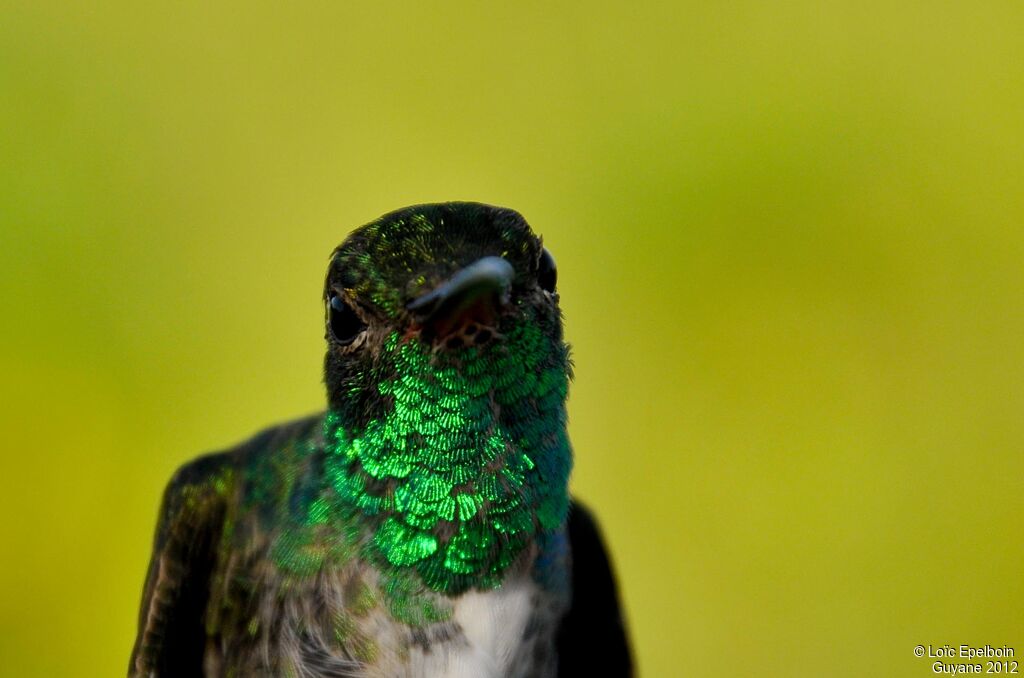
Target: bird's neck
{"x": 467, "y": 466}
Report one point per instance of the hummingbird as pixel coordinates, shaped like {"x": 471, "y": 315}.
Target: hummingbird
{"x": 421, "y": 525}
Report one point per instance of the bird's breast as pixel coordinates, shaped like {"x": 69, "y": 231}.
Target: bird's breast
{"x": 493, "y": 627}
{"x": 343, "y": 622}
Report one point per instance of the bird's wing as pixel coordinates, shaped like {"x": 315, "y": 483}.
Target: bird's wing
{"x": 172, "y": 639}
{"x": 592, "y": 639}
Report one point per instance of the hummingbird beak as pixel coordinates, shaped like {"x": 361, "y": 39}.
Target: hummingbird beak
{"x": 477, "y": 293}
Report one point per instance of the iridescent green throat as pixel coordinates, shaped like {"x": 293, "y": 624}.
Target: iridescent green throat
{"x": 470, "y": 462}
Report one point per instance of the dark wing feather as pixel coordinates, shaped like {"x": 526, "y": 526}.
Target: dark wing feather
{"x": 172, "y": 635}
{"x": 172, "y": 638}
{"x": 592, "y": 639}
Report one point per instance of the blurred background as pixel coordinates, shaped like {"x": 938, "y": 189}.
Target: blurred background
{"x": 790, "y": 247}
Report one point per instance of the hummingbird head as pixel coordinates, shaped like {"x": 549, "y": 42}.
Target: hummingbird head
{"x": 443, "y": 277}
{"x": 447, "y": 375}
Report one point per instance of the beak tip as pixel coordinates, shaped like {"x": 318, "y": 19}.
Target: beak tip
{"x": 487, "y": 276}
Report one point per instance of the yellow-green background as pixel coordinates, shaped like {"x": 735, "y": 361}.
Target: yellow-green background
{"x": 792, "y": 268}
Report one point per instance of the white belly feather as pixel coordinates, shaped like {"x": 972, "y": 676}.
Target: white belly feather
{"x": 493, "y": 623}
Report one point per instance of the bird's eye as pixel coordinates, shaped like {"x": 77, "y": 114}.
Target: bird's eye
{"x": 547, "y": 274}
{"x": 345, "y": 324}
